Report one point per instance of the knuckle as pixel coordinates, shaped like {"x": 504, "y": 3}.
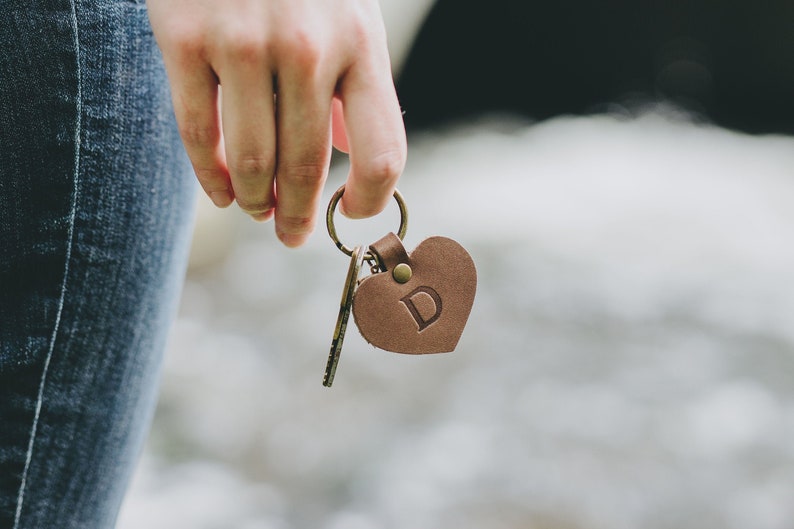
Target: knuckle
{"x": 210, "y": 178}
{"x": 361, "y": 34}
{"x": 384, "y": 168}
{"x": 197, "y": 134}
{"x": 185, "y": 39}
{"x": 246, "y": 46}
{"x": 304, "y": 175}
{"x": 360, "y": 37}
{"x": 250, "y": 167}
{"x": 295, "y": 224}
{"x": 303, "y": 49}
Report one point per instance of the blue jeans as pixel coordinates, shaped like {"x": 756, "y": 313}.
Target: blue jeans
{"x": 96, "y": 207}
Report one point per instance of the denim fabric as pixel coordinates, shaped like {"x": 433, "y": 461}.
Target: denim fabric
{"x": 96, "y": 205}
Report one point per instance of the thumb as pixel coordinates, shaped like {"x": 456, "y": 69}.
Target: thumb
{"x": 338, "y": 132}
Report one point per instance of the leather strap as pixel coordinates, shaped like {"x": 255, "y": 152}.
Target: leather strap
{"x": 390, "y": 252}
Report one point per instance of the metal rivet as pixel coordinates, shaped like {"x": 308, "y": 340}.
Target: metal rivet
{"x": 402, "y": 273}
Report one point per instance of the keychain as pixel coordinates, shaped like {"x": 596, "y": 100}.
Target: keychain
{"x": 411, "y": 303}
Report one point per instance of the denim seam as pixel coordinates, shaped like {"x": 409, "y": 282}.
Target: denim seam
{"x": 67, "y": 260}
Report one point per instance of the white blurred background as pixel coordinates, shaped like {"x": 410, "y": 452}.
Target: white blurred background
{"x": 628, "y": 362}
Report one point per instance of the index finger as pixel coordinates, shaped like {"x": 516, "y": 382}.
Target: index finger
{"x": 376, "y": 138}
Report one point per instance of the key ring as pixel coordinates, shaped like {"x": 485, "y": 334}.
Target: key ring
{"x": 329, "y": 221}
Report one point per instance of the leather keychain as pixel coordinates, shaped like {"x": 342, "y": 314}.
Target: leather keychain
{"x": 412, "y": 303}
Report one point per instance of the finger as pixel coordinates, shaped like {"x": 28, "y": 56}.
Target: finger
{"x": 249, "y": 132}
{"x": 376, "y": 137}
{"x": 304, "y": 151}
{"x": 338, "y": 126}
{"x": 195, "y": 97}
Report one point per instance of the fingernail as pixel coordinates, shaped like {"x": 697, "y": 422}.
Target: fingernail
{"x": 347, "y": 214}
{"x": 262, "y": 217}
{"x": 221, "y": 198}
{"x": 353, "y": 216}
{"x": 343, "y": 210}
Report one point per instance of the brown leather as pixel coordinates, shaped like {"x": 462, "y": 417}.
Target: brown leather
{"x": 390, "y": 252}
{"x": 426, "y": 314}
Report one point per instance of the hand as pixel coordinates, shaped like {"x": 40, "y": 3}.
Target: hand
{"x": 297, "y": 77}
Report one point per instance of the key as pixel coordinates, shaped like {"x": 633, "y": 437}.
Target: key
{"x": 414, "y": 302}
{"x": 351, "y": 282}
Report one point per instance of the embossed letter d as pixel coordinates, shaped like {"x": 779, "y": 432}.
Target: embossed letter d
{"x": 417, "y": 316}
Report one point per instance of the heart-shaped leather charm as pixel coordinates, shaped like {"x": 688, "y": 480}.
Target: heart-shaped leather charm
{"x": 420, "y": 302}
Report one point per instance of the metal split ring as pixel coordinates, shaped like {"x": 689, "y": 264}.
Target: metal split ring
{"x": 329, "y": 221}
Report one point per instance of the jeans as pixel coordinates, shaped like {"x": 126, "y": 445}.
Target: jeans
{"x": 96, "y": 209}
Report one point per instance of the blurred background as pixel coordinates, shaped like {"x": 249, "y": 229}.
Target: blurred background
{"x": 621, "y": 173}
